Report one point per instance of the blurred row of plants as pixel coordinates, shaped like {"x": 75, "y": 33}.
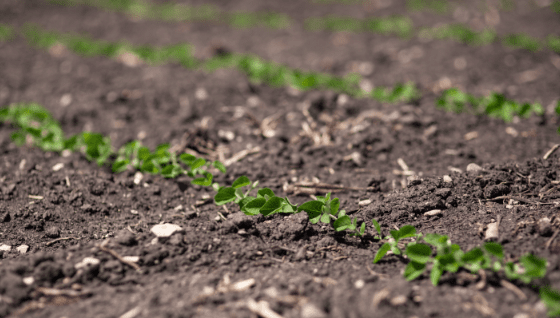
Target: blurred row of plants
{"x": 401, "y": 26}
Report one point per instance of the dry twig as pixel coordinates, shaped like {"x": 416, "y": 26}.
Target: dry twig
{"x": 116, "y": 255}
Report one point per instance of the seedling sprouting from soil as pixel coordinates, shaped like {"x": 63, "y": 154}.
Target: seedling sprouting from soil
{"x": 324, "y": 209}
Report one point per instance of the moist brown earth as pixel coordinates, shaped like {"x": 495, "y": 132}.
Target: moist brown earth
{"x": 68, "y": 241}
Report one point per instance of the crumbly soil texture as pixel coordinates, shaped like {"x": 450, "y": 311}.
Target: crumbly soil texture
{"x": 77, "y": 239}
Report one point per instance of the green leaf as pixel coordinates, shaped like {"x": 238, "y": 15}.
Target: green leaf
{"x": 241, "y": 182}
{"x": 220, "y": 166}
{"x": 335, "y": 204}
{"x": 171, "y": 171}
{"x": 312, "y": 207}
{"x": 362, "y": 229}
{"x": 494, "y": 249}
{"x": 405, "y": 231}
{"x": 205, "y": 181}
{"x": 437, "y": 240}
{"x": 413, "y": 270}
{"x": 496, "y": 266}
{"x": 253, "y": 207}
{"x": 271, "y": 206}
{"x": 264, "y": 192}
{"x": 535, "y": 267}
{"x": 187, "y": 159}
{"x": 448, "y": 262}
{"x": 326, "y": 218}
{"x": 377, "y": 226}
{"x": 342, "y": 223}
{"x": 143, "y": 153}
{"x": 435, "y": 275}
{"x": 225, "y": 195}
{"x": 243, "y": 201}
{"x": 511, "y": 271}
{"x": 381, "y": 252}
{"x": 199, "y": 162}
{"x": 420, "y": 253}
{"x": 472, "y": 256}
{"x": 314, "y": 210}
{"x": 120, "y": 166}
{"x": 551, "y": 298}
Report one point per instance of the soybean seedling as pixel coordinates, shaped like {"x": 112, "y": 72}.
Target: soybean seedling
{"x": 324, "y": 209}
{"x": 393, "y": 240}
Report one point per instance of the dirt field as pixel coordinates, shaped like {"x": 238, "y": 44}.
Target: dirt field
{"x": 65, "y": 232}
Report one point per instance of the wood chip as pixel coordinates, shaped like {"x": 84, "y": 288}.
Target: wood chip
{"x": 261, "y": 308}
{"x": 551, "y": 151}
{"x": 433, "y": 212}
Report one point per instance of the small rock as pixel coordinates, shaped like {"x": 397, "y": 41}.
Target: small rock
{"x": 176, "y": 239}
{"x": 309, "y": 310}
{"x": 28, "y": 280}
{"x": 87, "y": 261}
{"x": 52, "y": 232}
{"x": 132, "y": 259}
{"x": 165, "y": 230}
{"x": 301, "y": 253}
{"x": 5, "y": 248}
{"x": 326, "y": 241}
{"x": 22, "y": 249}
{"x": 473, "y": 167}
{"x": 545, "y": 227}
{"x": 58, "y": 166}
{"x": 359, "y": 284}
{"x": 126, "y": 238}
{"x": 398, "y": 300}
{"x": 433, "y": 212}
{"x": 491, "y": 231}
{"x": 5, "y": 217}
{"x": 447, "y": 178}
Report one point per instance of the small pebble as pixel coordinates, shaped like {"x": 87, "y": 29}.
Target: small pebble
{"x": 473, "y": 167}
{"x": 398, "y": 300}
{"x": 165, "y": 230}
{"x": 5, "y": 248}
{"x": 309, "y": 310}
{"x": 447, "y": 178}
{"x": 491, "y": 231}
{"x": 22, "y": 249}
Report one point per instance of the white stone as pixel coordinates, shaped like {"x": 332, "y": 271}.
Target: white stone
{"x": 22, "y": 249}
{"x": 359, "y": 284}
{"x": 132, "y": 259}
{"x": 311, "y": 311}
{"x": 491, "y": 231}
{"x": 165, "y": 230}
{"x": 28, "y": 280}
{"x": 447, "y": 178}
{"x": 58, "y": 166}
{"x": 473, "y": 167}
{"x": 5, "y": 248}
{"x": 87, "y": 261}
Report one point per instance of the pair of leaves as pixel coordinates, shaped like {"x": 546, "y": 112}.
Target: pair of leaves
{"x": 396, "y": 235}
{"x": 265, "y": 203}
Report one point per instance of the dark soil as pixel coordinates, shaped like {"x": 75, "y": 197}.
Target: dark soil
{"x": 66, "y": 246}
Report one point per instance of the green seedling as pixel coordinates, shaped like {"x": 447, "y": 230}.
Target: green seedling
{"x": 393, "y": 240}
{"x": 265, "y": 203}
{"x": 324, "y": 209}
{"x": 439, "y": 6}
{"x": 449, "y": 257}
{"x": 522, "y": 41}
{"x": 6, "y": 33}
{"x": 551, "y": 298}
{"x": 494, "y": 105}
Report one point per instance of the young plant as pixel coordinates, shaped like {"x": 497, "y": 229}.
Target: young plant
{"x": 449, "y": 257}
{"x": 324, "y": 209}
{"x": 393, "y": 240}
